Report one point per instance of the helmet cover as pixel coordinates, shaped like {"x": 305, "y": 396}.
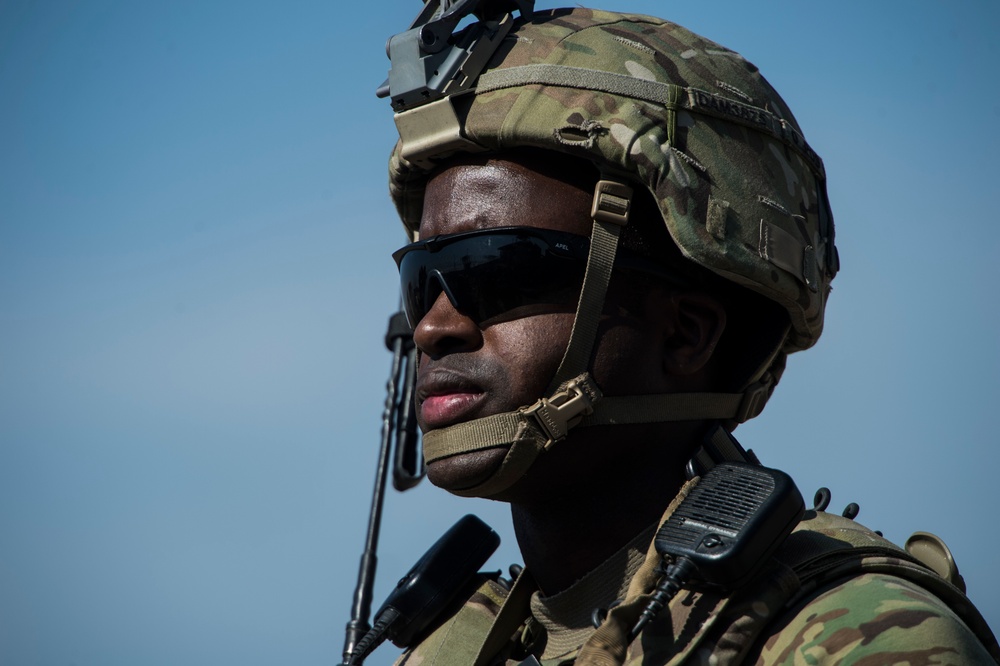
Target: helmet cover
{"x": 740, "y": 191}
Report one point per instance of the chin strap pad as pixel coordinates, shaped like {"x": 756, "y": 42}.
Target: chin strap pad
{"x": 527, "y": 432}
{"x": 577, "y": 403}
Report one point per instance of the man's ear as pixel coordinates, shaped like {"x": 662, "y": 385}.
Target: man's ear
{"x": 695, "y": 325}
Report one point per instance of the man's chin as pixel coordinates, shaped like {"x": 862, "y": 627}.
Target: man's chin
{"x": 465, "y": 471}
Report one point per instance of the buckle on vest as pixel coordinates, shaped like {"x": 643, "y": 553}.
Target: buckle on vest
{"x": 567, "y": 407}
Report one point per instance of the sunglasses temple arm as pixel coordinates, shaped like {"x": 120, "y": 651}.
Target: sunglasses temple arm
{"x": 399, "y": 340}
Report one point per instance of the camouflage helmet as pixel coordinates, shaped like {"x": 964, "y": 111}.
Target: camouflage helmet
{"x": 652, "y": 105}
{"x": 741, "y": 192}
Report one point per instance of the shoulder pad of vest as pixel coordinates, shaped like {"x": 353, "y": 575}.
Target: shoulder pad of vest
{"x": 825, "y": 548}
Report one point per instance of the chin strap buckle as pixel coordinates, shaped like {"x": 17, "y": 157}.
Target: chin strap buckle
{"x": 567, "y": 407}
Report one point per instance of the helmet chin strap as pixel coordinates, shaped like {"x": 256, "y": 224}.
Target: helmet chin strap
{"x": 573, "y": 399}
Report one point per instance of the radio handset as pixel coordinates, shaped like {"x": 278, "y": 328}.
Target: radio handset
{"x": 723, "y": 531}
{"x": 430, "y": 586}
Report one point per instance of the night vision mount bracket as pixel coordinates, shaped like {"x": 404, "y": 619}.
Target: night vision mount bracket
{"x": 431, "y": 61}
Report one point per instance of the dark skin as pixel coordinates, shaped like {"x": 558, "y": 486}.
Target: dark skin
{"x": 591, "y": 493}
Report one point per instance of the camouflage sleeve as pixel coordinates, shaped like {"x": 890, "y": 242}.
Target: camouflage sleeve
{"x": 456, "y": 641}
{"x": 872, "y": 620}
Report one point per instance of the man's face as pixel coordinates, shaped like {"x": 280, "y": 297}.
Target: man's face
{"x": 469, "y": 370}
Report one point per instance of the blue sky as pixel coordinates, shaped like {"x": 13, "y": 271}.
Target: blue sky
{"x": 195, "y": 279}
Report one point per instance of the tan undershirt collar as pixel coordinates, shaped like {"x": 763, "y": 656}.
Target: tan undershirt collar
{"x": 566, "y": 616}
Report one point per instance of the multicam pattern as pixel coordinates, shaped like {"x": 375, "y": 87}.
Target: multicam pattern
{"x": 872, "y": 620}
{"x": 875, "y": 615}
{"x": 457, "y": 640}
{"x": 740, "y": 190}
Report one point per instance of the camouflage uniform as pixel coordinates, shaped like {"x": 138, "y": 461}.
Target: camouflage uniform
{"x": 743, "y": 195}
{"x": 853, "y": 599}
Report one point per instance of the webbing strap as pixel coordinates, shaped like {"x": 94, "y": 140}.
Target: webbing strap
{"x": 575, "y": 77}
{"x": 603, "y": 247}
{"x": 515, "y": 609}
{"x": 669, "y": 95}
{"x": 674, "y": 95}
{"x": 510, "y": 427}
{"x": 664, "y": 407}
{"x": 610, "y": 211}
{"x": 479, "y": 434}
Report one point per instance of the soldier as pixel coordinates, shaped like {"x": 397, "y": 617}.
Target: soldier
{"x": 620, "y": 233}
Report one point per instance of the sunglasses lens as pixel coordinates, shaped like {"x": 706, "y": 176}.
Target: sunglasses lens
{"x": 489, "y": 273}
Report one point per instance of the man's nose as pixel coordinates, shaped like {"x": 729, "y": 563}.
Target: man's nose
{"x": 445, "y": 330}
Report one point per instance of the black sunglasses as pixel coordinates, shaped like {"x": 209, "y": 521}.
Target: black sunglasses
{"x": 490, "y": 272}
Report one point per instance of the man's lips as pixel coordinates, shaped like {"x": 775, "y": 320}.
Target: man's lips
{"x": 440, "y": 410}
{"x": 445, "y": 399}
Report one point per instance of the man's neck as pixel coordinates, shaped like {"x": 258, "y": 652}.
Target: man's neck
{"x": 584, "y": 519}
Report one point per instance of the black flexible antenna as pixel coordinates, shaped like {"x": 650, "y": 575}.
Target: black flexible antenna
{"x": 399, "y": 424}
